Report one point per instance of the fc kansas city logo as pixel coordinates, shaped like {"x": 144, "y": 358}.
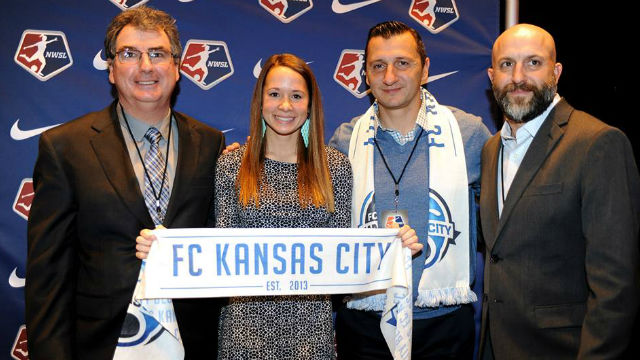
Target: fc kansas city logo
{"x": 350, "y": 72}
{"x": 22, "y": 203}
{"x": 441, "y": 230}
{"x": 19, "y": 350}
{"x": 434, "y": 15}
{"x": 368, "y": 215}
{"x": 43, "y": 53}
{"x": 141, "y": 332}
{"x": 206, "y": 62}
{"x": 127, "y": 4}
{"x": 286, "y": 10}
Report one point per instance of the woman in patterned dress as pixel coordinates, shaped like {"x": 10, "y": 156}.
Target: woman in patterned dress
{"x": 284, "y": 177}
{"x": 279, "y": 180}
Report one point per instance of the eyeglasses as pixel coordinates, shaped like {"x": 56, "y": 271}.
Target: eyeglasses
{"x": 156, "y": 56}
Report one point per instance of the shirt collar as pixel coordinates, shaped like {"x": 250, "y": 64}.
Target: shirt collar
{"x": 139, "y": 128}
{"x": 421, "y": 119}
{"x": 531, "y": 127}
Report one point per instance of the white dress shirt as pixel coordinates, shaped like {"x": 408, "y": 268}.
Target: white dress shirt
{"x": 514, "y": 148}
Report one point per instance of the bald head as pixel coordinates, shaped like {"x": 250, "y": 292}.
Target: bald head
{"x": 524, "y": 73}
{"x": 526, "y": 37}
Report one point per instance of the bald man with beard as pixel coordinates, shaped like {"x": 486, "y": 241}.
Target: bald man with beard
{"x": 560, "y": 210}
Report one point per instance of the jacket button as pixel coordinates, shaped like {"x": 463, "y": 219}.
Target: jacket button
{"x": 494, "y": 259}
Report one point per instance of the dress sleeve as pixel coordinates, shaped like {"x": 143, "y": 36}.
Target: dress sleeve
{"x": 226, "y": 197}
{"x": 211, "y": 218}
{"x": 342, "y": 180}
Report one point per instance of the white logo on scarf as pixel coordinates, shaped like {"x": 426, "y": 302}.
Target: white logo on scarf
{"x": 368, "y": 215}
{"x": 441, "y": 229}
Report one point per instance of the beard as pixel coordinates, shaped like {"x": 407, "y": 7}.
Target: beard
{"x": 520, "y": 110}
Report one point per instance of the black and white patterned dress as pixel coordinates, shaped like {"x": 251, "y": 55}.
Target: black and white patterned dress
{"x": 279, "y": 327}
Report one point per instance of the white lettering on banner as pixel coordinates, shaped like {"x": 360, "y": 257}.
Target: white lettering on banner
{"x": 192, "y": 263}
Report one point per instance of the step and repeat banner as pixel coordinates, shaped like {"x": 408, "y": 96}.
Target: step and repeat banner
{"x": 53, "y": 69}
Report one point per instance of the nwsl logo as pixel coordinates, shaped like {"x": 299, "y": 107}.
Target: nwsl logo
{"x": 19, "y": 350}
{"x": 127, "y": 4}
{"x": 22, "y": 203}
{"x": 44, "y": 54}
{"x": 206, "y": 62}
{"x": 286, "y": 10}
{"x": 441, "y": 230}
{"x": 350, "y": 72}
{"x": 434, "y": 15}
{"x": 394, "y": 219}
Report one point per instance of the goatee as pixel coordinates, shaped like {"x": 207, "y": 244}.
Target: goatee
{"x": 520, "y": 110}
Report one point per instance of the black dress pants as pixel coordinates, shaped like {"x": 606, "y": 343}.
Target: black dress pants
{"x": 450, "y": 336}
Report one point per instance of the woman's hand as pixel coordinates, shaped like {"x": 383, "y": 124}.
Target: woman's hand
{"x": 143, "y": 242}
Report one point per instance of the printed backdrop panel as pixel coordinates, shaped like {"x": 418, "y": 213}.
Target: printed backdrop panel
{"x": 53, "y": 69}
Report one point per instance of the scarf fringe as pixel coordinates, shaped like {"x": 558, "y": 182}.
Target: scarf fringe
{"x": 448, "y": 296}
{"x": 430, "y": 298}
{"x": 367, "y": 303}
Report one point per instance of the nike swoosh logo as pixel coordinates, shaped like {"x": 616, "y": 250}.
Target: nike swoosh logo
{"x": 339, "y": 8}
{"x": 440, "y": 76}
{"x": 17, "y": 134}
{"x": 226, "y": 131}
{"x": 98, "y": 63}
{"x": 14, "y": 280}
{"x": 257, "y": 69}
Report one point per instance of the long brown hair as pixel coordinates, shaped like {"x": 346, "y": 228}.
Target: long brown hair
{"x": 314, "y": 181}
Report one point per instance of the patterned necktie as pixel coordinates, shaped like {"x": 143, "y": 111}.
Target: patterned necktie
{"x": 156, "y": 191}
{"x": 150, "y": 329}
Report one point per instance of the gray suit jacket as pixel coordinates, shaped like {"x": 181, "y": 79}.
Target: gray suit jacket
{"x": 86, "y": 213}
{"x": 562, "y": 277}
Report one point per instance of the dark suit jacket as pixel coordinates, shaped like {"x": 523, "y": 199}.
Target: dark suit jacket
{"x": 86, "y": 213}
{"x": 561, "y": 276}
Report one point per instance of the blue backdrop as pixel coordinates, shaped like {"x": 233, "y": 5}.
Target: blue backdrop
{"x": 52, "y": 70}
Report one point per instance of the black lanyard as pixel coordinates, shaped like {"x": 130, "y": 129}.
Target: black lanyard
{"x": 146, "y": 173}
{"x": 502, "y": 173}
{"x": 397, "y": 182}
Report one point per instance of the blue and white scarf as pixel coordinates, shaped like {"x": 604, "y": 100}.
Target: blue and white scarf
{"x": 150, "y": 329}
{"x": 445, "y": 279}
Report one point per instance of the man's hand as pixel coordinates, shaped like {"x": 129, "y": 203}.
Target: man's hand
{"x": 233, "y": 147}
{"x": 409, "y": 239}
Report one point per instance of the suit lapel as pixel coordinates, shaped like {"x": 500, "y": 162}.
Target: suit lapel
{"x": 111, "y": 150}
{"x": 489, "y": 196}
{"x": 188, "y": 156}
{"x": 543, "y": 143}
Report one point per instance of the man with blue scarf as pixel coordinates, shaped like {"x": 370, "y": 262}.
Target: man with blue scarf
{"x": 415, "y": 162}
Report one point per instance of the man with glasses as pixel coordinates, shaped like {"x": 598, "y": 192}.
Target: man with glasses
{"x": 98, "y": 181}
